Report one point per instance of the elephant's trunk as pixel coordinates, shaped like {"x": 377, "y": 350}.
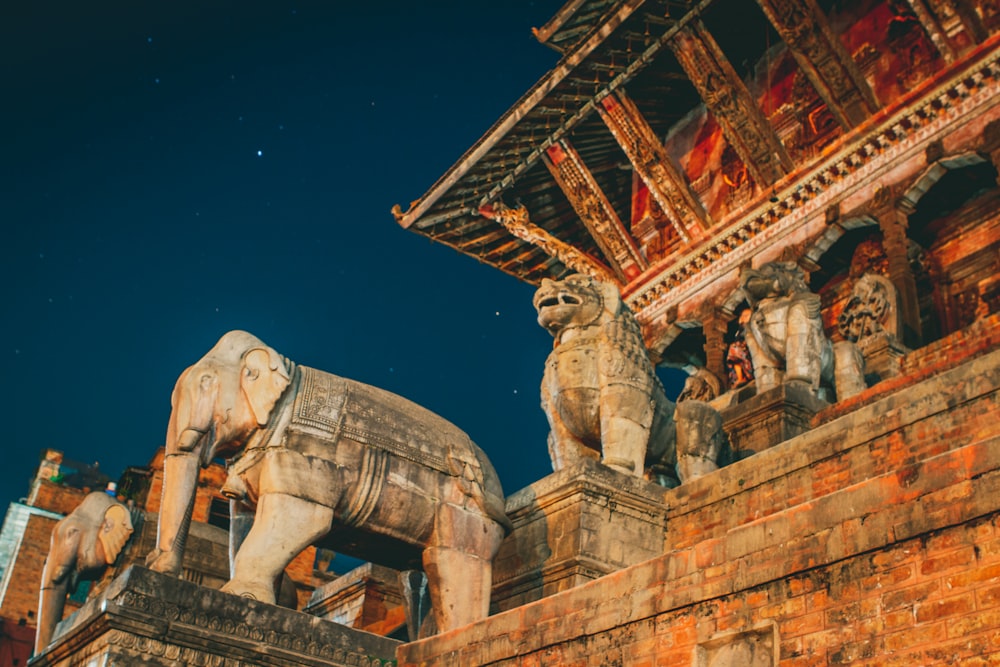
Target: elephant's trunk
{"x": 180, "y": 472}
{"x": 51, "y": 603}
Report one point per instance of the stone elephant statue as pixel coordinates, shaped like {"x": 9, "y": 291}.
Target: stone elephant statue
{"x": 320, "y": 459}
{"x": 600, "y": 391}
{"x": 83, "y": 545}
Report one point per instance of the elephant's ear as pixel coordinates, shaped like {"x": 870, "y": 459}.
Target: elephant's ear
{"x": 115, "y": 531}
{"x": 263, "y": 380}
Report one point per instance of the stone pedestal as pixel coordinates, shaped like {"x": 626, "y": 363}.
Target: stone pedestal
{"x": 770, "y": 418}
{"x": 367, "y": 598}
{"x": 574, "y": 526}
{"x": 146, "y": 618}
{"x": 882, "y": 356}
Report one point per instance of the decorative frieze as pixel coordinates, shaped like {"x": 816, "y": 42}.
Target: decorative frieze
{"x": 974, "y": 92}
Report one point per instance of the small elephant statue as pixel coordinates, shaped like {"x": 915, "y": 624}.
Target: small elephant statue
{"x": 83, "y": 545}
{"x": 600, "y": 391}
{"x": 785, "y": 334}
{"x": 319, "y": 459}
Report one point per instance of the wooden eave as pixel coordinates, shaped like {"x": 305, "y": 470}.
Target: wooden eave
{"x": 505, "y": 165}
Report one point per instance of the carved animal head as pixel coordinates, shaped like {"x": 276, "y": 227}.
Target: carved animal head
{"x": 219, "y": 401}
{"x": 576, "y": 301}
{"x": 772, "y": 280}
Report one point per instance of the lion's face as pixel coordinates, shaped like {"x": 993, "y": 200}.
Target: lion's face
{"x": 572, "y": 302}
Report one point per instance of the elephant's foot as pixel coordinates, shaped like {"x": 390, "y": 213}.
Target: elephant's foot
{"x": 253, "y": 590}
{"x": 166, "y": 562}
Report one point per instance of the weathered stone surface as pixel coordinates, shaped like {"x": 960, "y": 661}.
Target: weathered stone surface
{"x": 367, "y": 598}
{"x": 600, "y": 392}
{"x": 152, "y": 619}
{"x": 772, "y": 417}
{"x": 316, "y": 457}
{"x": 83, "y": 545}
{"x": 871, "y": 539}
{"x": 574, "y": 526}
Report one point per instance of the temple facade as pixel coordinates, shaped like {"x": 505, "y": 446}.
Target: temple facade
{"x": 688, "y": 153}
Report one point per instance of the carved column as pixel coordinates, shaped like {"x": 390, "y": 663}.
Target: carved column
{"x": 727, "y": 98}
{"x": 594, "y": 209}
{"x": 714, "y": 324}
{"x": 893, "y": 218}
{"x": 667, "y": 185}
{"x": 823, "y": 59}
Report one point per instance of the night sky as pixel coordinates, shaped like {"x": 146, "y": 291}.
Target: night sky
{"x": 174, "y": 170}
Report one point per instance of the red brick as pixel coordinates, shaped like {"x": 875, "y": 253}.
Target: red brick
{"x": 939, "y": 609}
{"x": 916, "y": 636}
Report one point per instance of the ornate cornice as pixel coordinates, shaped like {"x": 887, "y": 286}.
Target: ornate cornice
{"x": 868, "y": 154}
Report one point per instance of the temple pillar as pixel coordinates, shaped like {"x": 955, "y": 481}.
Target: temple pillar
{"x": 714, "y": 324}
{"x": 893, "y": 218}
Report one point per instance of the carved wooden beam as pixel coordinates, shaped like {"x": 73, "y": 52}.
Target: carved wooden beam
{"x": 594, "y": 209}
{"x": 942, "y": 19}
{"x": 729, "y": 101}
{"x": 823, "y": 59}
{"x": 516, "y": 221}
{"x": 667, "y": 185}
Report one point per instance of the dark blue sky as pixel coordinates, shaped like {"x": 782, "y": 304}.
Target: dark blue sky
{"x": 173, "y": 170}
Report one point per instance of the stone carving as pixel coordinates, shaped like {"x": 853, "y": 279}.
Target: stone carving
{"x": 785, "y": 334}
{"x": 599, "y": 391}
{"x": 83, "y": 545}
{"x": 322, "y": 459}
{"x": 872, "y": 313}
{"x": 701, "y": 441}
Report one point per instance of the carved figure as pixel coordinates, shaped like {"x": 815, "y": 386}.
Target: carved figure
{"x": 785, "y": 333}
{"x": 599, "y": 391}
{"x": 82, "y": 546}
{"x": 872, "y": 313}
{"x": 322, "y": 459}
{"x": 701, "y": 441}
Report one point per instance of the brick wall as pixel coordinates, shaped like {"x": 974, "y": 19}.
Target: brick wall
{"x": 55, "y": 497}
{"x": 872, "y": 539}
{"x": 21, "y": 598}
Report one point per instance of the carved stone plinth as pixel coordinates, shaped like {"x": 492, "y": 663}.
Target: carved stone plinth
{"x": 147, "y": 618}
{"x": 367, "y": 598}
{"x": 771, "y": 417}
{"x": 575, "y": 525}
{"x": 882, "y": 358}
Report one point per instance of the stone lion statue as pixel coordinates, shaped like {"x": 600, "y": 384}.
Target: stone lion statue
{"x": 600, "y": 391}
{"x": 785, "y": 334}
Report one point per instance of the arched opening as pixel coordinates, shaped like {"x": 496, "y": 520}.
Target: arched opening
{"x": 955, "y": 247}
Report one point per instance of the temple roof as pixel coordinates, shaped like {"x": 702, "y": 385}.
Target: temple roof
{"x": 663, "y": 124}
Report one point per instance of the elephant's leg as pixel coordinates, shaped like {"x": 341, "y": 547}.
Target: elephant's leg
{"x": 283, "y": 527}
{"x": 459, "y": 566}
